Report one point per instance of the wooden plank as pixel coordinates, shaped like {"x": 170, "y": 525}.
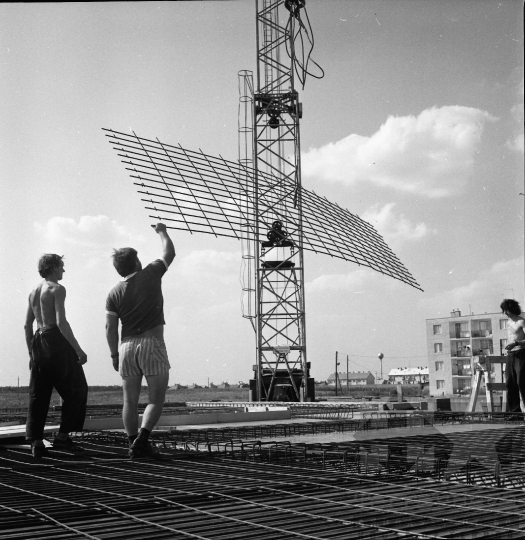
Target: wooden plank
{"x": 475, "y": 391}
{"x": 7, "y": 432}
{"x": 488, "y": 393}
{"x": 497, "y": 386}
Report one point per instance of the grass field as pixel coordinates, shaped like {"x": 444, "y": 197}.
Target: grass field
{"x": 14, "y": 397}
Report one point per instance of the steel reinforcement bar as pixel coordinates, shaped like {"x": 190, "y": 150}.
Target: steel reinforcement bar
{"x": 230, "y": 499}
{"x": 493, "y": 457}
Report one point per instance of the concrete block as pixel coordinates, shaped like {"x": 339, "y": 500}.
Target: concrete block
{"x": 403, "y": 406}
{"x": 442, "y": 404}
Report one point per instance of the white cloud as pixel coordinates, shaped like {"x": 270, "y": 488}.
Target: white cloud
{"x": 503, "y": 279}
{"x": 207, "y": 276}
{"x": 516, "y": 143}
{"x": 431, "y": 154}
{"x": 91, "y": 239}
{"x": 89, "y": 232}
{"x": 351, "y": 282}
{"x": 395, "y": 229}
{"x": 210, "y": 262}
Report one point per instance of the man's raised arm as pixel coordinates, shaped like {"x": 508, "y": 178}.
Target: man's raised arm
{"x": 168, "y": 249}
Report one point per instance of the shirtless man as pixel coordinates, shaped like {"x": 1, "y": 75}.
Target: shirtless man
{"x": 137, "y": 301}
{"x": 515, "y": 368}
{"x": 55, "y": 361}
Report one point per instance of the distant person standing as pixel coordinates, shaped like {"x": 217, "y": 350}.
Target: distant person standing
{"x": 55, "y": 360}
{"x": 515, "y": 368}
{"x": 137, "y": 301}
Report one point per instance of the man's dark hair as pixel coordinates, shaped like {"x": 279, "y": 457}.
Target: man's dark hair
{"x": 511, "y": 306}
{"x": 48, "y": 262}
{"x": 125, "y": 261}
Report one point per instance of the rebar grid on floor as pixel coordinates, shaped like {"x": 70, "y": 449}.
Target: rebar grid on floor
{"x": 369, "y": 422}
{"x": 488, "y": 457}
{"x": 493, "y": 457}
{"x": 201, "y": 496}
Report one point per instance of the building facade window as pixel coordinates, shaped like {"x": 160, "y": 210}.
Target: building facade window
{"x": 481, "y": 329}
{"x": 462, "y": 330}
{"x": 503, "y": 324}
{"x": 485, "y": 346}
{"x": 440, "y": 385}
{"x": 463, "y": 384}
{"x": 502, "y": 345}
{"x": 438, "y": 347}
{"x": 440, "y": 366}
{"x": 460, "y": 348}
{"x": 459, "y": 330}
{"x": 437, "y": 329}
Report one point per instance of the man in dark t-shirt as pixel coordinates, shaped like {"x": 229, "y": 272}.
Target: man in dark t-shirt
{"x": 138, "y": 303}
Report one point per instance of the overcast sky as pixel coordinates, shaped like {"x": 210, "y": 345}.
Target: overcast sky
{"x": 417, "y": 127}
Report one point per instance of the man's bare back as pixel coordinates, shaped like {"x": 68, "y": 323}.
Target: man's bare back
{"x": 42, "y": 302}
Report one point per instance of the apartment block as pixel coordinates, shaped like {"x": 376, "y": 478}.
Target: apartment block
{"x": 453, "y": 341}
{"x": 417, "y": 375}
{"x": 353, "y": 379}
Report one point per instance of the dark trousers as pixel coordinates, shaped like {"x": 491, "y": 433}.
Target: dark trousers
{"x": 515, "y": 380}
{"x": 54, "y": 364}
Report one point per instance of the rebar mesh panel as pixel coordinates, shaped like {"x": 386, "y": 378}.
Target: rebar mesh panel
{"x": 204, "y": 194}
{"x": 226, "y": 499}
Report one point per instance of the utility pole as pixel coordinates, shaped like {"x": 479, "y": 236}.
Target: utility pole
{"x": 336, "y": 375}
{"x": 347, "y": 389}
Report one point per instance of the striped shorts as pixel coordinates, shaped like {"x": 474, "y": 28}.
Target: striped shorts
{"x": 143, "y": 356}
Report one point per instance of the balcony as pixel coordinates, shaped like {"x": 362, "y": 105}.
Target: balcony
{"x": 483, "y": 352}
{"x": 481, "y": 333}
{"x": 461, "y": 354}
{"x": 462, "y": 391}
{"x": 462, "y": 372}
{"x": 459, "y": 335}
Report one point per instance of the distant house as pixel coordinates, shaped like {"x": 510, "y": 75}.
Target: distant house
{"x": 354, "y": 379}
{"x": 194, "y": 386}
{"x": 417, "y": 375}
{"x": 224, "y": 385}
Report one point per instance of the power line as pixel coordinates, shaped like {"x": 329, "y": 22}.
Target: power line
{"x": 388, "y": 357}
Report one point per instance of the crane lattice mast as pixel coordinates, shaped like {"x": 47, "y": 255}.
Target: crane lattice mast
{"x": 281, "y": 366}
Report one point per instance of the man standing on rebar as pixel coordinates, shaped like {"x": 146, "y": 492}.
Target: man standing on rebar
{"x": 137, "y": 301}
{"x": 56, "y": 361}
{"x": 515, "y": 368}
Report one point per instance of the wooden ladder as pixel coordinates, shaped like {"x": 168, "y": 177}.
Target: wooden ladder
{"x": 482, "y": 368}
